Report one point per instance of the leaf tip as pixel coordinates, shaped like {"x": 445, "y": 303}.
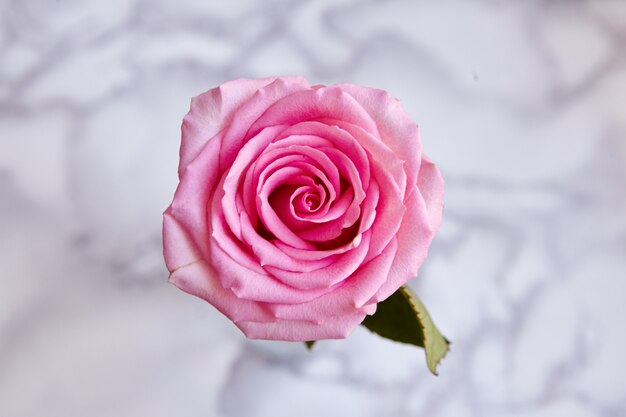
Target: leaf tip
{"x": 434, "y": 362}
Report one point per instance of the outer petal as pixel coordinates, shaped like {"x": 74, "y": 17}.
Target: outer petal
{"x": 431, "y": 186}
{"x": 213, "y": 110}
{"x": 198, "y": 182}
{"x": 257, "y": 104}
{"x": 396, "y": 128}
{"x": 301, "y": 331}
{"x": 198, "y": 278}
{"x": 310, "y": 104}
{"x": 414, "y": 237}
{"x": 178, "y": 249}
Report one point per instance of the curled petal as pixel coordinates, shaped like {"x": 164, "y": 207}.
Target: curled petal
{"x": 337, "y": 268}
{"x": 268, "y": 216}
{"x": 353, "y": 294}
{"x": 251, "y": 284}
{"x": 326, "y": 133}
{"x": 269, "y": 255}
{"x": 233, "y": 180}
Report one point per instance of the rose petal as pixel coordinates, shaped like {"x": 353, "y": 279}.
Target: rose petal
{"x": 414, "y": 237}
{"x": 198, "y": 182}
{"x": 282, "y": 199}
{"x": 233, "y": 180}
{"x": 301, "y": 331}
{"x": 275, "y": 157}
{"x": 379, "y": 154}
{"x": 212, "y": 111}
{"x": 249, "y": 284}
{"x": 269, "y": 217}
{"x": 338, "y": 269}
{"x": 390, "y": 211}
{"x": 240, "y": 270}
{"x": 340, "y": 216}
{"x": 325, "y": 102}
{"x": 397, "y": 129}
{"x": 319, "y": 253}
{"x": 346, "y": 211}
{"x": 236, "y": 134}
{"x": 369, "y": 207}
{"x": 328, "y": 134}
{"x": 269, "y": 255}
{"x": 431, "y": 185}
{"x": 197, "y": 277}
{"x": 179, "y": 250}
{"x": 354, "y": 293}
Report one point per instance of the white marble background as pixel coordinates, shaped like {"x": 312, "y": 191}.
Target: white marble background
{"x": 521, "y": 103}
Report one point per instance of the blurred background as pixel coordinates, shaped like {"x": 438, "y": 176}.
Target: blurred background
{"x": 521, "y": 104}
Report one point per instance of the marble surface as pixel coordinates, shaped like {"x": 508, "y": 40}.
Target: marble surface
{"x": 521, "y": 103}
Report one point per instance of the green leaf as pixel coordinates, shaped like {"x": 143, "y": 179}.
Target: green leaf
{"x": 402, "y": 317}
{"x": 309, "y": 344}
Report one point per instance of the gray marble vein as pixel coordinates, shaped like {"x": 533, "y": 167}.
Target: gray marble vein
{"x": 520, "y": 103}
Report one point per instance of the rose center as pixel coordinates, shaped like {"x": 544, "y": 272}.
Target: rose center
{"x": 311, "y": 201}
{"x": 306, "y": 200}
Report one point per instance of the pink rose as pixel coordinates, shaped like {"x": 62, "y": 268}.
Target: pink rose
{"x": 299, "y": 208}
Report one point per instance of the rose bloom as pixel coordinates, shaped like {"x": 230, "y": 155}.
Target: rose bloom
{"x": 299, "y": 208}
